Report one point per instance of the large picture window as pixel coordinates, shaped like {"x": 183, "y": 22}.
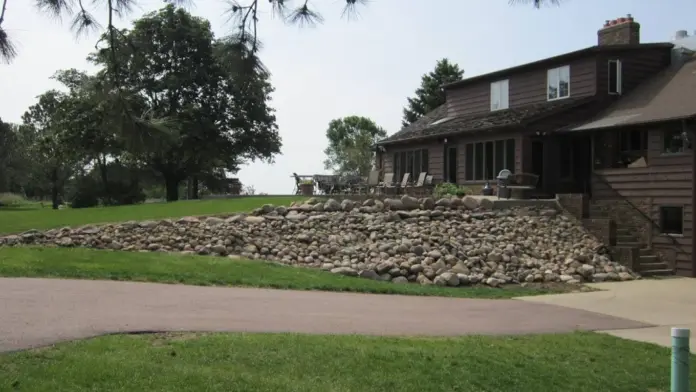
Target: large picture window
{"x": 484, "y": 160}
{"x": 414, "y": 162}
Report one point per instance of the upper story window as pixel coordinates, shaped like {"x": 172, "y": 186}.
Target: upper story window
{"x": 500, "y": 92}
{"x": 615, "y": 77}
{"x": 558, "y": 83}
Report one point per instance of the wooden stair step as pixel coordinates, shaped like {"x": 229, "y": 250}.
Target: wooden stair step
{"x": 634, "y": 244}
{"x": 657, "y": 272}
{"x": 652, "y": 266}
{"x": 625, "y": 238}
{"x": 645, "y": 252}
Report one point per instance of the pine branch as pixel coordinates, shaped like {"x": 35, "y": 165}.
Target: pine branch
{"x": 8, "y": 51}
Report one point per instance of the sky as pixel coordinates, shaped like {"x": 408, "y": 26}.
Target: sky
{"x": 366, "y": 66}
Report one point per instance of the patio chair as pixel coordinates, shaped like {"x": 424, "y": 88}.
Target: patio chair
{"x": 372, "y": 180}
{"x": 404, "y": 183}
{"x": 388, "y": 182}
{"x": 326, "y": 184}
{"x": 367, "y": 184}
{"x": 297, "y": 184}
{"x": 419, "y": 184}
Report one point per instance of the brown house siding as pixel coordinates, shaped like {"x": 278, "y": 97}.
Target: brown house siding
{"x": 525, "y": 88}
{"x": 636, "y": 67}
{"x": 667, "y": 181}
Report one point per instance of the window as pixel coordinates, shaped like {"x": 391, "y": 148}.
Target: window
{"x": 633, "y": 141}
{"x": 500, "y": 95}
{"x": 675, "y": 141}
{"x": 414, "y": 162}
{"x": 484, "y": 160}
{"x": 672, "y": 220}
{"x": 615, "y": 77}
{"x": 558, "y": 83}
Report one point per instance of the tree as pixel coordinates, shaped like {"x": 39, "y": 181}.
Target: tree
{"x": 245, "y": 17}
{"x": 350, "y": 145}
{"x": 8, "y": 146}
{"x": 213, "y": 113}
{"x": 57, "y": 160}
{"x": 430, "y": 94}
{"x": 87, "y": 126}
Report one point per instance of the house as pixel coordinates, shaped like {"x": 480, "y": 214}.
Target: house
{"x": 608, "y": 130}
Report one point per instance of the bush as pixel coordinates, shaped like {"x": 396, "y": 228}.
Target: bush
{"x": 11, "y": 200}
{"x": 449, "y": 189}
{"x": 84, "y": 193}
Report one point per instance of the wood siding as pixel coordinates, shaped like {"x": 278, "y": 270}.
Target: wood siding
{"x": 525, "y": 88}
{"x": 636, "y": 67}
{"x": 666, "y": 181}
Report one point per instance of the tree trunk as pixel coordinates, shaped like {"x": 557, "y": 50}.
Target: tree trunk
{"x": 194, "y": 187}
{"x": 54, "y": 189}
{"x": 104, "y": 177}
{"x": 172, "y": 185}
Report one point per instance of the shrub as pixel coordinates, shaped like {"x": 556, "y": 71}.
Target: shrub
{"x": 84, "y": 193}
{"x": 449, "y": 189}
{"x": 11, "y": 200}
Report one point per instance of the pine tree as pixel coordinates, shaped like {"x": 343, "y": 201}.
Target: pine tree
{"x": 430, "y": 94}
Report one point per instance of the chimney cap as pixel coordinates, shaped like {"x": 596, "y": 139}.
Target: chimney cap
{"x": 681, "y": 34}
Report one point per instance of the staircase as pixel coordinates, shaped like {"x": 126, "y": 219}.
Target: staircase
{"x": 648, "y": 263}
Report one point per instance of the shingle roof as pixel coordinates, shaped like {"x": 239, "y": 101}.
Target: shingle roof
{"x": 561, "y": 57}
{"x": 424, "y": 127}
{"x": 670, "y": 95}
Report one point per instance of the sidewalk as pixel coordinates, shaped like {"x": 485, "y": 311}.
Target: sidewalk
{"x": 664, "y": 303}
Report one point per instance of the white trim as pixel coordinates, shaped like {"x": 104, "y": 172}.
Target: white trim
{"x": 501, "y": 91}
{"x": 558, "y": 71}
{"x": 619, "y": 80}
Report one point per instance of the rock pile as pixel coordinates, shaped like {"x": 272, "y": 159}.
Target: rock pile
{"x": 449, "y": 242}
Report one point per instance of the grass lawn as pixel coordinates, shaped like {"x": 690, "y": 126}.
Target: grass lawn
{"x": 16, "y": 220}
{"x": 584, "y": 362}
{"x": 84, "y": 263}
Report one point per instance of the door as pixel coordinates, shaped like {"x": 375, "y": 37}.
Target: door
{"x": 451, "y": 164}
{"x": 582, "y": 161}
{"x": 538, "y": 162}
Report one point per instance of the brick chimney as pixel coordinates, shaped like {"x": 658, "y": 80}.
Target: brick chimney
{"x": 619, "y": 31}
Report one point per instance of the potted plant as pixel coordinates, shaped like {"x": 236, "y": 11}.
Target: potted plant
{"x": 307, "y": 187}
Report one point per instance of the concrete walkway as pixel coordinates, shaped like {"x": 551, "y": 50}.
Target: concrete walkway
{"x": 665, "y": 303}
{"x": 36, "y": 312}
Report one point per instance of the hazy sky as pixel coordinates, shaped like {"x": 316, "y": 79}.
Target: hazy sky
{"x": 364, "y": 67}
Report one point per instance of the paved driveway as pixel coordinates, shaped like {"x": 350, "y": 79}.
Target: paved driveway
{"x": 665, "y": 303}
{"x": 35, "y": 312}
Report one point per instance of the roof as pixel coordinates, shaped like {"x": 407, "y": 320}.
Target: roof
{"x": 559, "y": 58}
{"x": 670, "y": 95}
{"x": 436, "y": 123}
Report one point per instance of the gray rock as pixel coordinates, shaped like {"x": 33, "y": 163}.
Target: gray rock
{"x": 332, "y": 205}
{"x": 409, "y": 202}
{"x": 470, "y": 203}
{"x": 369, "y": 274}
{"x": 347, "y": 271}
{"x": 393, "y": 204}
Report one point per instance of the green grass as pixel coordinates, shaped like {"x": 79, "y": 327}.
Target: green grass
{"x": 576, "y": 362}
{"x": 83, "y": 263}
{"x": 16, "y": 220}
